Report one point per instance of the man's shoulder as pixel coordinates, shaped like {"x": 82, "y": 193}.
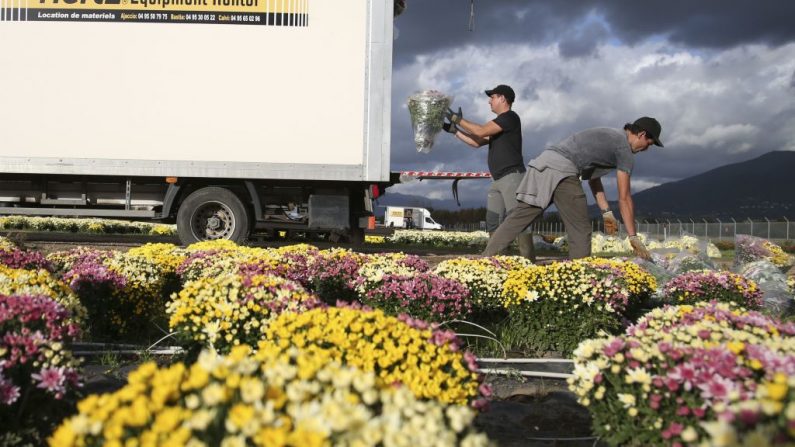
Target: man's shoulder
{"x": 509, "y": 114}
{"x": 507, "y": 118}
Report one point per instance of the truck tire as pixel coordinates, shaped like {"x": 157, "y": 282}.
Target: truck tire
{"x": 356, "y": 236}
{"x": 212, "y": 213}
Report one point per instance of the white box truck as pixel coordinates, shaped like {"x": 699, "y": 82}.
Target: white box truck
{"x": 224, "y": 116}
{"x": 409, "y": 217}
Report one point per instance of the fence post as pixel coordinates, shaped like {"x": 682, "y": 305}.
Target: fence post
{"x": 752, "y": 226}
{"x": 768, "y": 228}
{"x": 720, "y": 229}
{"x": 706, "y": 228}
{"x": 787, "y": 220}
{"x": 735, "y": 227}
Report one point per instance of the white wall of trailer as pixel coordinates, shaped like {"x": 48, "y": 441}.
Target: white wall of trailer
{"x": 207, "y": 100}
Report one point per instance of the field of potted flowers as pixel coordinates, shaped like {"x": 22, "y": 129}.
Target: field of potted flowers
{"x": 302, "y": 346}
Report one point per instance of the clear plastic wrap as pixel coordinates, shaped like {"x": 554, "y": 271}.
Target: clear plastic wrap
{"x": 427, "y": 116}
{"x": 751, "y": 248}
{"x": 688, "y": 243}
{"x": 687, "y": 262}
{"x": 658, "y": 268}
{"x": 777, "y": 299}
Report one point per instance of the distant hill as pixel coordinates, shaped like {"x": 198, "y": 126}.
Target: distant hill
{"x": 758, "y": 188}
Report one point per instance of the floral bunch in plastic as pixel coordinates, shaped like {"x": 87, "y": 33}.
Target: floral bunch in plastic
{"x": 709, "y": 285}
{"x": 678, "y": 367}
{"x": 229, "y": 310}
{"x": 750, "y": 248}
{"x": 428, "y": 361}
{"x": 484, "y": 277}
{"x": 688, "y": 243}
{"x": 37, "y": 375}
{"x": 556, "y": 306}
{"x": 268, "y": 398}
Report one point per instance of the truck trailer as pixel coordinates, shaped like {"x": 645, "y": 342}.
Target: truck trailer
{"x": 226, "y": 118}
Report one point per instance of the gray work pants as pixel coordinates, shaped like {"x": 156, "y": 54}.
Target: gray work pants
{"x": 500, "y": 201}
{"x": 569, "y": 198}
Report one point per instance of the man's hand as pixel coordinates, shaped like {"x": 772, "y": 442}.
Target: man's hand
{"x": 611, "y": 224}
{"x": 454, "y": 117}
{"x": 449, "y": 127}
{"x": 638, "y": 247}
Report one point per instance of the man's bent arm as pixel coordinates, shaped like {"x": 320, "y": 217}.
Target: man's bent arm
{"x": 625, "y": 204}
{"x": 599, "y": 193}
{"x": 476, "y": 130}
{"x": 471, "y": 139}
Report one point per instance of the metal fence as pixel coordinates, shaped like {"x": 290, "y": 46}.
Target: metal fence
{"x": 715, "y": 229}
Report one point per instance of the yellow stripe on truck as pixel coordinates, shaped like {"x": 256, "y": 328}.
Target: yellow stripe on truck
{"x": 290, "y": 13}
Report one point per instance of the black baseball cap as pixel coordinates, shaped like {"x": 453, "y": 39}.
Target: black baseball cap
{"x": 652, "y": 128}
{"x": 503, "y": 90}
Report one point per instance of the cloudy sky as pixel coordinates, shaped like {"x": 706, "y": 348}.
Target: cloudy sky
{"x": 718, "y": 74}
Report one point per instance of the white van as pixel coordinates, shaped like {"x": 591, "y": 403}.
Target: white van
{"x": 410, "y": 217}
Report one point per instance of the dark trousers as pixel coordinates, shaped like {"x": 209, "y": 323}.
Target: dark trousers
{"x": 569, "y": 198}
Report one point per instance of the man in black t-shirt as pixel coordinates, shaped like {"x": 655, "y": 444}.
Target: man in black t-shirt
{"x": 503, "y": 135}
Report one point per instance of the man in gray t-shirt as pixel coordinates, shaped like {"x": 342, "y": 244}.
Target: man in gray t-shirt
{"x": 555, "y": 175}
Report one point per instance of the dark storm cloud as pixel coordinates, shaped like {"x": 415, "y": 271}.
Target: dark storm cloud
{"x": 718, "y": 74}
{"x": 430, "y": 25}
{"x": 708, "y": 23}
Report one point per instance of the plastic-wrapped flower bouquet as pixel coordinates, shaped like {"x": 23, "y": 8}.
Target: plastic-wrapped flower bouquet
{"x": 427, "y": 116}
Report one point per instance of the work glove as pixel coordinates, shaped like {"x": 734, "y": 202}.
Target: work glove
{"x": 611, "y": 224}
{"x": 449, "y": 127}
{"x": 639, "y": 248}
{"x": 454, "y": 117}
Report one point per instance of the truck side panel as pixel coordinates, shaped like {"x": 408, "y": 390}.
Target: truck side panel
{"x": 200, "y": 99}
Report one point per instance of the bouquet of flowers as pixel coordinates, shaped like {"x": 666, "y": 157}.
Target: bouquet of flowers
{"x": 554, "y": 307}
{"x": 428, "y": 361}
{"x": 483, "y": 277}
{"x": 750, "y": 248}
{"x": 228, "y": 310}
{"x": 708, "y": 285}
{"x": 268, "y": 398}
{"x": 680, "y": 368}
{"x": 38, "y": 376}
{"x": 427, "y": 116}
{"x": 777, "y": 295}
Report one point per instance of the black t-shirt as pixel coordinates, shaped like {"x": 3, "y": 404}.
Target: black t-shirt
{"x": 505, "y": 148}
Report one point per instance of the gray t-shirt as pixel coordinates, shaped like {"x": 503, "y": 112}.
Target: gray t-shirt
{"x": 595, "y": 152}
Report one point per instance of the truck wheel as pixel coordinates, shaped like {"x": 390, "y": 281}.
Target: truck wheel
{"x": 356, "y": 236}
{"x": 212, "y": 213}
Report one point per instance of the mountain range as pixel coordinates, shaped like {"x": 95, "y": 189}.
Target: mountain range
{"x": 757, "y": 188}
